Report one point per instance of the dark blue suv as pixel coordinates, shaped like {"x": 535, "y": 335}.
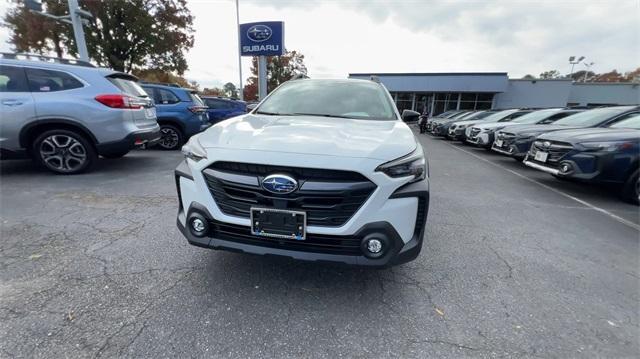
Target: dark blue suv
{"x": 221, "y": 108}
{"x": 181, "y": 113}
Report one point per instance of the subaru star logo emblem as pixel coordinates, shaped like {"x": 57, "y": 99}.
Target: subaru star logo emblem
{"x": 279, "y": 184}
{"x": 259, "y": 33}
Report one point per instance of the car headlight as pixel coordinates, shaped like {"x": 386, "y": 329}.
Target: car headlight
{"x": 194, "y": 150}
{"x": 607, "y": 146}
{"x": 413, "y": 164}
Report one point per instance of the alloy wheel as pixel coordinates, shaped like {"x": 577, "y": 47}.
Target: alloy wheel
{"x": 638, "y": 188}
{"x": 63, "y": 153}
{"x": 170, "y": 138}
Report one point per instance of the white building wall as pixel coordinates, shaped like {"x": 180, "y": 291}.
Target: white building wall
{"x": 534, "y": 93}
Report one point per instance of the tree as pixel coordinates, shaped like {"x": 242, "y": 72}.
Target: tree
{"x": 528, "y": 77}
{"x": 611, "y": 76}
{"x": 578, "y": 76}
{"x": 552, "y": 74}
{"x": 125, "y": 35}
{"x": 279, "y": 69}
{"x": 632, "y": 76}
{"x": 230, "y": 90}
{"x": 156, "y": 75}
{"x": 35, "y": 34}
{"x": 215, "y": 91}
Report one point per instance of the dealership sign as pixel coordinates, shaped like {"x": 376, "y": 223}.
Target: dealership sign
{"x": 262, "y": 38}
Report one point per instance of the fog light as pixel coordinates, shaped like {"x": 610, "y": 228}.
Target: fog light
{"x": 374, "y": 246}
{"x": 566, "y": 168}
{"x": 198, "y": 225}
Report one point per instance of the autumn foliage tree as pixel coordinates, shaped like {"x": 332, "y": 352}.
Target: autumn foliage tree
{"x": 125, "y": 35}
{"x": 279, "y": 69}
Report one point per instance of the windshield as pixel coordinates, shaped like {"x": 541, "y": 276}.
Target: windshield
{"x": 632, "y": 122}
{"x": 591, "y": 117}
{"x": 497, "y": 116}
{"x": 330, "y": 98}
{"x": 535, "y": 117}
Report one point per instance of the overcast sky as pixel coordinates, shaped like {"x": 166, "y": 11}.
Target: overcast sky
{"x": 339, "y": 37}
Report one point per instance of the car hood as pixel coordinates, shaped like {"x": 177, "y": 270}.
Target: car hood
{"x": 592, "y": 134}
{"x": 537, "y": 129}
{"x": 383, "y": 140}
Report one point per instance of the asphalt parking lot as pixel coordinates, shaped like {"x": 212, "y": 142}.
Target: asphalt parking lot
{"x": 515, "y": 264}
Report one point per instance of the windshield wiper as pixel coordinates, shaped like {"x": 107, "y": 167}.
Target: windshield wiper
{"x": 273, "y": 113}
{"x": 320, "y": 115}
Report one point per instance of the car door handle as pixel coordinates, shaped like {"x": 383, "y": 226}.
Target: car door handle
{"x": 12, "y": 102}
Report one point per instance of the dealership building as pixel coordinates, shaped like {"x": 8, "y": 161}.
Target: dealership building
{"x": 439, "y": 92}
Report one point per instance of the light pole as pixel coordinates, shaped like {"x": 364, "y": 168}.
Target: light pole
{"x": 76, "y": 17}
{"x": 573, "y": 61}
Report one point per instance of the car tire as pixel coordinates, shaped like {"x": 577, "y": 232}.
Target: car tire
{"x": 171, "y": 138}
{"x": 64, "y": 152}
{"x": 631, "y": 188}
{"x": 115, "y": 154}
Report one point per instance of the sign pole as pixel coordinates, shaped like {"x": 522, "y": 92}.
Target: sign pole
{"x": 262, "y": 77}
{"x": 241, "y": 90}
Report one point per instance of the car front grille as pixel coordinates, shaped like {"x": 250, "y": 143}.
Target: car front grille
{"x": 320, "y": 243}
{"x": 556, "y": 150}
{"x": 329, "y": 197}
{"x": 506, "y": 137}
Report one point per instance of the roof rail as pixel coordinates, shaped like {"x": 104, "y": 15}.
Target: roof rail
{"x": 42, "y": 58}
{"x": 170, "y": 84}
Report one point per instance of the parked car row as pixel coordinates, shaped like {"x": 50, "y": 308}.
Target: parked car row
{"x": 65, "y": 113}
{"x": 599, "y": 145}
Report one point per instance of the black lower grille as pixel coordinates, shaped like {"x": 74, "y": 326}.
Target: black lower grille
{"x": 329, "y": 197}
{"x": 556, "y": 151}
{"x": 318, "y": 243}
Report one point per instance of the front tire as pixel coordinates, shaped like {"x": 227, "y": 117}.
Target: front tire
{"x": 172, "y": 138}
{"x": 631, "y": 188}
{"x": 64, "y": 152}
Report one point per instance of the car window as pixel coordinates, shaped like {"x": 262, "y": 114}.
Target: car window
{"x": 591, "y": 117}
{"x": 515, "y": 115}
{"x": 347, "y": 98}
{"x": 13, "y": 79}
{"x": 497, "y": 116}
{"x": 216, "y": 104}
{"x": 631, "y": 120}
{"x": 535, "y": 116}
{"x": 557, "y": 116}
{"x": 196, "y": 99}
{"x": 50, "y": 81}
{"x": 128, "y": 85}
{"x": 164, "y": 97}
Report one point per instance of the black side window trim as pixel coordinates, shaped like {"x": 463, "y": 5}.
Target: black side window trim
{"x": 69, "y": 75}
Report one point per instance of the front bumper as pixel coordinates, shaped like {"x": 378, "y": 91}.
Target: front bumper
{"x": 483, "y": 139}
{"x": 400, "y": 221}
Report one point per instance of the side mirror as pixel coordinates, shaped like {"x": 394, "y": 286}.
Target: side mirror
{"x": 410, "y": 116}
{"x": 251, "y": 107}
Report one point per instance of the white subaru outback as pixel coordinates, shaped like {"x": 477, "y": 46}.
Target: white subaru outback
{"x": 321, "y": 170}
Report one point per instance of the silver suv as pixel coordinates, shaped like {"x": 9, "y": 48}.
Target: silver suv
{"x": 64, "y": 113}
